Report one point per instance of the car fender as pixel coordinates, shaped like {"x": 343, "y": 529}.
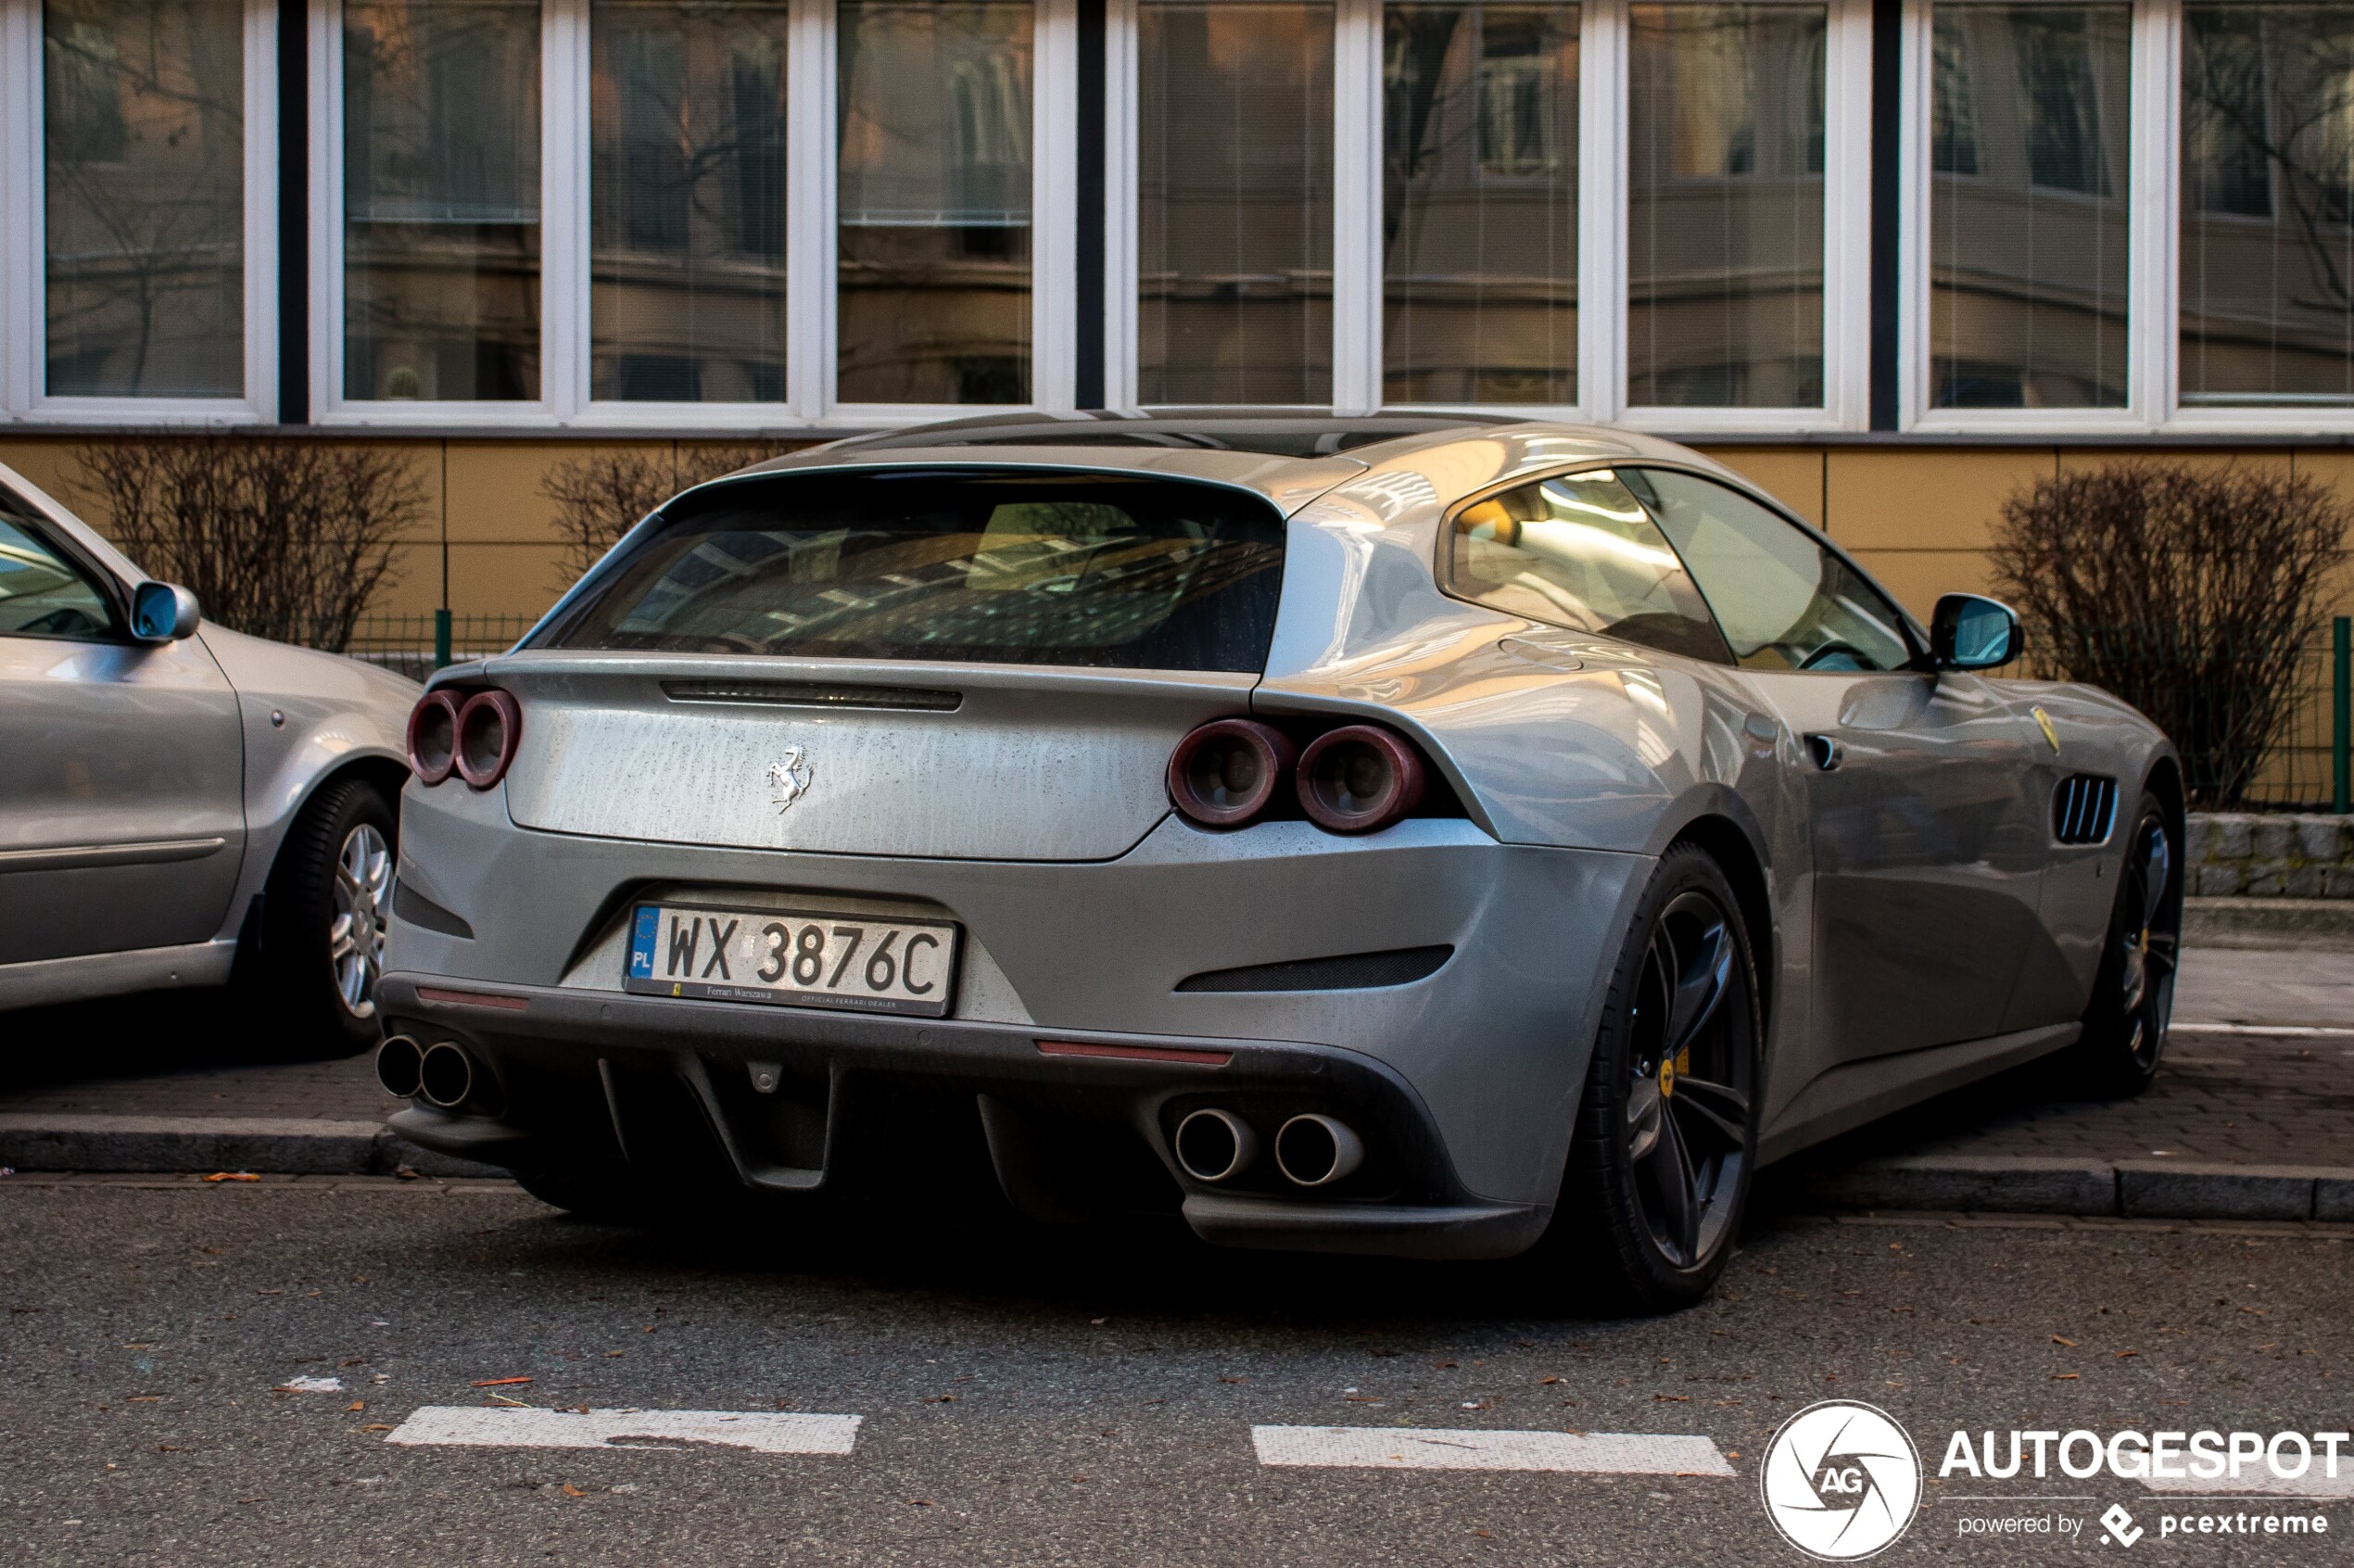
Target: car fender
{"x": 307, "y": 716}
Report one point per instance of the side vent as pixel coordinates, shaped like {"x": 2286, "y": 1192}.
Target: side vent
{"x": 2084, "y": 808}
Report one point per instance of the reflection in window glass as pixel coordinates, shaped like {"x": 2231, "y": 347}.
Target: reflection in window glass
{"x": 1579, "y": 551}
{"x": 1784, "y": 602}
{"x": 42, "y": 593}
{"x": 1480, "y": 213}
{"x": 1234, "y": 210}
{"x": 144, "y": 126}
{"x": 2268, "y": 204}
{"x": 686, "y": 197}
{"x": 1725, "y": 206}
{"x": 933, "y": 202}
{"x": 2029, "y": 124}
{"x": 441, "y": 198}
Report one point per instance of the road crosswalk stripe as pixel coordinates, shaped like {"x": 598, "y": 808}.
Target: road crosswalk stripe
{"x": 764, "y": 1432}
{"x": 1402, "y": 1447}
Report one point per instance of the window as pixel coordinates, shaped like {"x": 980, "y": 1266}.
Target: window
{"x": 441, "y": 191}
{"x": 2267, "y": 268}
{"x": 1579, "y": 551}
{"x": 1784, "y": 602}
{"x": 1234, "y": 202}
{"x": 934, "y": 201}
{"x": 43, "y": 593}
{"x": 1060, "y": 569}
{"x": 1724, "y": 208}
{"x": 2029, "y": 169}
{"x": 1479, "y": 215}
{"x": 686, "y": 200}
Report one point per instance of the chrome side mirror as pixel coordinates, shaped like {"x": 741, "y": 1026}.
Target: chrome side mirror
{"x": 1970, "y": 632}
{"x": 163, "y": 612}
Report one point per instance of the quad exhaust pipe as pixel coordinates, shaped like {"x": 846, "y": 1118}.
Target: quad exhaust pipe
{"x": 442, "y": 1075}
{"x": 1311, "y": 1151}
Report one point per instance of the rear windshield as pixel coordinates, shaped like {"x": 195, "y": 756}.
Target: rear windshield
{"x": 1005, "y": 568}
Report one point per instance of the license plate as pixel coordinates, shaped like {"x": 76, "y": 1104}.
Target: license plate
{"x": 793, "y": 959}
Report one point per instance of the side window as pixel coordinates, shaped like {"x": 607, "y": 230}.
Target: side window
{"x": 43, "y": 592}
{"x": 1784, "y": 602}
{"x": 1579, "y": 551}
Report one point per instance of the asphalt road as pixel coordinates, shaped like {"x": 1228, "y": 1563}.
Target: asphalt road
{"x": 1053, "y": 1399}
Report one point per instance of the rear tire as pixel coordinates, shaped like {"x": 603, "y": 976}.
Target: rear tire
{"x": 321, "y": 926}
{"x": 2133, "y": 1001}
{"x": 1666, "y": 1136}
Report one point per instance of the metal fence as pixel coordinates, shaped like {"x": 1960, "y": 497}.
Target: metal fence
{"x": 417, "y": 645}
{"x": 2306, "y": 768}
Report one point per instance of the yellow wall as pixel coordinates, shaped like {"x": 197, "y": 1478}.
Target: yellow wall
{"x": 1919, "y": 518}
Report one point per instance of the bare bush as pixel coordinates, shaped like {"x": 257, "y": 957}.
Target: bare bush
{"x": 286, "y": 540}
{"x": 601, "y": 496}
{"x": 2191, "y": 592}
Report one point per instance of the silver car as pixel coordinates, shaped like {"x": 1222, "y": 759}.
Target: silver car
{"x": 180, "y": 804}
{"x": 1437, "y": 835}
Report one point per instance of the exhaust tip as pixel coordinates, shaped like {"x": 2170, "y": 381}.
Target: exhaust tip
{"x": 1315, "y": 1151}
{"x": 401, "y": 1067}
{"x": 1214, "y": 1145}
{"x": 446, "y": 1075}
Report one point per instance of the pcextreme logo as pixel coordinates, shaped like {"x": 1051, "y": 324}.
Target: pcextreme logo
{"x": 1842, "y": 1480}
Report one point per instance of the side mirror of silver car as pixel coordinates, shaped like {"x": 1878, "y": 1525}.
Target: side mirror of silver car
{"x": 163, "y": 612}
{"x": 1970, "y": 632}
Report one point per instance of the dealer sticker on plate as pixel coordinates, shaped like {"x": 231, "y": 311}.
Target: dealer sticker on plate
{"x": 793, "y": 959}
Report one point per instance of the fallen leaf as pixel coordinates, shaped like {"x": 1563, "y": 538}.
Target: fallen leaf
{"x": 1234, "y": 1380}
{"x": 1547, "y": 1380}
{"x": 1441, "y": 1366}
{"x": 1673, "y": 1399}
{"x": 940, "y": 1398}
{"x": 499, "y": 1381}
{"x": 502, "y": 1399}
{"x": 919, "y": 1502}
{"x": 1734, "y": 1454}
{"x": 168, "y": 1448}
{"x": 2065, "y": 1377}
{"x": 572, "y": 1491}
{"x": 232, "y": 1176}
{"x": 1383, "y": 1352}
{"x": 2122, "y": 1354}
{"x": 2069, "y": 1343}
{"x": 1483, "y": 1535}
{"x": 356, "y": 1405}
{"x": 406, "y": 1172}
{"x": 376, "y": 1426}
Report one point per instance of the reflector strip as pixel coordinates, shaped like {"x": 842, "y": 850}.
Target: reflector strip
{"x": 471, "y": 998}
{"x": 1187, "y": 1054}
{"x": 495, "y": 1426}
{"x": 1402, "y": 1448}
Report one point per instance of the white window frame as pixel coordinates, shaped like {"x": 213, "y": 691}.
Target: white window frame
{"x": 23, "y": 249}
{"x": 811, "y": 301}
{"x": 1602, "y": 228}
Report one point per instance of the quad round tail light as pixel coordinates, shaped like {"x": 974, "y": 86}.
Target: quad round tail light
{"x": 1225, "y": 773}
{"x": 489, "y": 725}
{"x": 1359, "y": 779}
{"x": 433, "y": 737}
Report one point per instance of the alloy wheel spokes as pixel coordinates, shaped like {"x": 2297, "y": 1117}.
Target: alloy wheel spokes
{"x": 1701, "y": 980}
{"x": 1669, "y": 1165}
{"x": 1719, "y": 1108}
{"x": 2156, "y": 868}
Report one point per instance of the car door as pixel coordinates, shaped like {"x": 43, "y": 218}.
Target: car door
{"x": 122, "y": 763}
{"x": 1926, "y": 854}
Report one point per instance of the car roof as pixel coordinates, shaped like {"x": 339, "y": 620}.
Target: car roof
{"x": 1230, "y": 430}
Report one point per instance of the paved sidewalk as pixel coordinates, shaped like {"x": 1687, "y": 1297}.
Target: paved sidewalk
{"x": 2251, "y": 1118}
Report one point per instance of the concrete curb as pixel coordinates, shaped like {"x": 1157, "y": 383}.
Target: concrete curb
{"x": 265, "y": 1146}
{"x": 2139, "y": 1189}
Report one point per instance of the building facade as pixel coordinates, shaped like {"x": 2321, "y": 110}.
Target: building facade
{"x": 1893, "y": 258}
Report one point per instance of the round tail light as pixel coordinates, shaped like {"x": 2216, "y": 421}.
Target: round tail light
{"x": 1225, "y": 773}
{"x": 488, "y": 726}
{"x": 433, "y": 737}
{"x": 1359, "y": 779}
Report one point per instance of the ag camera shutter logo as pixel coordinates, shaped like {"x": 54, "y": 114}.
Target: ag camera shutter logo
{"x": 1842, "y": 1481}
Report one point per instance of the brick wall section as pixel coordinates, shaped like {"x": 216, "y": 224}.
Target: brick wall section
{"x": 2271, "y": 855}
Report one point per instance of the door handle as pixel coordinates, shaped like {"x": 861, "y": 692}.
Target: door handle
{"x": 1826, "y": 751}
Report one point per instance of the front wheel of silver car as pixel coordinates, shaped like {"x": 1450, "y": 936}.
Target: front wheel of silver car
{"x": 1666, "y": 1139}
{"x": 2133, "y": 999}
{"x": 322, "y": 922}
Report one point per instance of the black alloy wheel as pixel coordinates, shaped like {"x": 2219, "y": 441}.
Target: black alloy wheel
{"x": 1666, "y": 1138}
{"x": 2133, "y": 993}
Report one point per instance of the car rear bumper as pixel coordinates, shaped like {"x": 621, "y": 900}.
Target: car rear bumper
{"x": 806, "y": 1104}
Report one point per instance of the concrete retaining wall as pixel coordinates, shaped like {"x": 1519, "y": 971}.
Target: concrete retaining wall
{"x": 2271, "y": 855}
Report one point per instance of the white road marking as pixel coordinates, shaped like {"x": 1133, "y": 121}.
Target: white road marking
{"x": 1406, "y": 1447}
{"x": 2316, "y": 1032}
{"x": 2261, "y": 1482}
{"x": 763, "y": 1432}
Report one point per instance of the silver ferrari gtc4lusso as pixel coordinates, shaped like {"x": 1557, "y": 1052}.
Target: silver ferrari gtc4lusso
{"x": 1440, "y": 837}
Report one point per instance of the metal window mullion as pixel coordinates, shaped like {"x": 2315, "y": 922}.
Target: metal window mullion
{"x": 809, "y": 199}
{"x": 20, "y": 314}
{"x": 1602, "y": 210}
{"x": 564, "y": 260}
{"x": 1847, "y": 228}
{"x": 1120, "y": 204}
{"x": 1917, "y": 200}
{"x": 1053, "y": 205}
{"x": 326, "y": 206}
{"x": 260, "y": 229}
{"x": 2154, "y": 230}
{"x": 1357, "y": 197}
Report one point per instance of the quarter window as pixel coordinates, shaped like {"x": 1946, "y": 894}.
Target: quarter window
{"x": 1784, "y": 602}
{"x": 42, "y": 593}
{"x": 1579, "y": 551}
